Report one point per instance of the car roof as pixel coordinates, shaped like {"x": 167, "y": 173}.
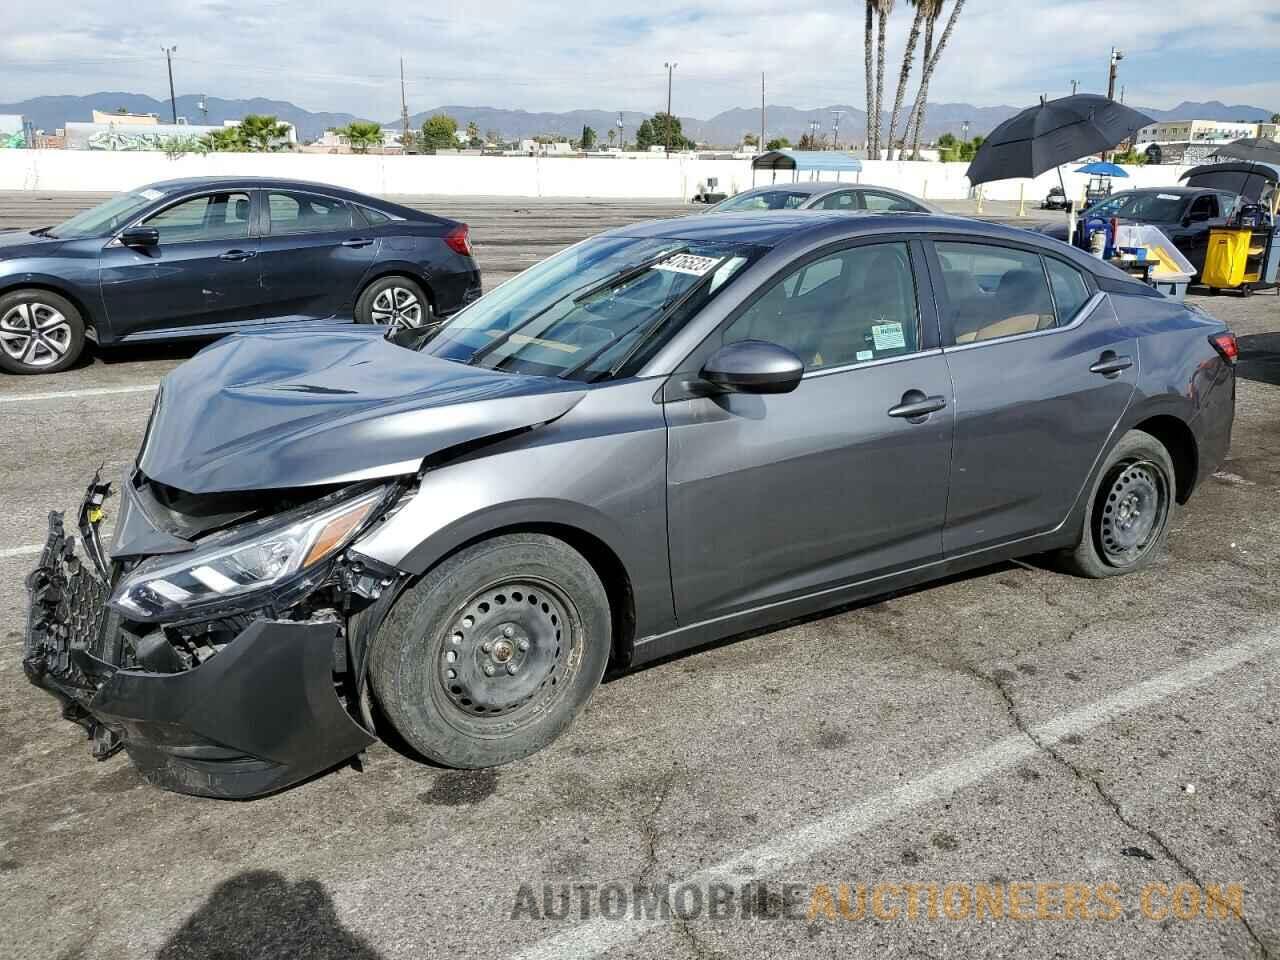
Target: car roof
{"x": 214, "y": 183}
{"x": 804, "y": 186}
{"x": 770, "y": 227}
{"x": 1181, "y": 191}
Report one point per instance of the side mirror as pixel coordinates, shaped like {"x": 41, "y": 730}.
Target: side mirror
{"x": 753, "y": 366}
{"x": 141, "y": 237}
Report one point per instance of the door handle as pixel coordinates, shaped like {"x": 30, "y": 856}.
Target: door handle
{"x": 916, "y": 406}
{"x": 1110, "y": 364}
{"x": 358, "y": 242}
{"x": 239, "y": 255}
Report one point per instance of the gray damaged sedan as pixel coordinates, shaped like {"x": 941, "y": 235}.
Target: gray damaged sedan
{"x": 664, "y": 435}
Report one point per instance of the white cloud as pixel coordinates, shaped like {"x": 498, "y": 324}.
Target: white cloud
{"x": 331, "y": 54}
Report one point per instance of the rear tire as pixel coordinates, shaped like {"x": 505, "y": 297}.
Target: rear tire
{"x": 394, "y": 301}
{"x": 1130, "y": 508}
{"x": 490, "y": 656}
{"x": 40, "y": 332}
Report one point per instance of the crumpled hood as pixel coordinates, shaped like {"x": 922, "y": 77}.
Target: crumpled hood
{"x": 327, "y": 404}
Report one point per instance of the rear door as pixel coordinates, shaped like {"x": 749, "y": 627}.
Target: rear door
{"x": 314, "y": 254}
{"x": 203, "y": 272}
{"x": 780, "y": 496}
{"x": 1042, "y": 373}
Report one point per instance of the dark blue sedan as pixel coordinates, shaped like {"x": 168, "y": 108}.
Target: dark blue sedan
{"x": 206, "y": 256}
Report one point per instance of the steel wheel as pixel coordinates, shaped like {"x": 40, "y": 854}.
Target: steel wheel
{"x": 1133, "y": 513}
{"x": 398, "y": 307}
{"x": 507, "y": 653}
{"x": 35, "y": 334}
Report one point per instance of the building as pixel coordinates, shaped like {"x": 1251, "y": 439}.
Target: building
{"x": 532, "y": 148}
{"x": 1191, "y": 131}
{"x": 130, "y": 135}
{"x": 129, "y": 119}
{"x": 1183, "y": 151}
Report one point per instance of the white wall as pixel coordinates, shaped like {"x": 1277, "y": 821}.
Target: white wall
{"x": 469, "y": 175}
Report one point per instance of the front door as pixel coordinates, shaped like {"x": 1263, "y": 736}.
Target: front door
{"x": 1042, "y": 371}
{"x": 774, "y": 497}
{"x": 203, "y": 272}
{"x": 313, "y": 258}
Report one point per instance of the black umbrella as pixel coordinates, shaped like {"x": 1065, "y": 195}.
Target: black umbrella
{"x": 1052, "y": 133}
{"x": 1253, "y": 149}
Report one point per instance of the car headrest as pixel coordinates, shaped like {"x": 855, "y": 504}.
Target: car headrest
{"x": 242, "y": 209}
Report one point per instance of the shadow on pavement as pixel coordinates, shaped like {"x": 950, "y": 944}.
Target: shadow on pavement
{"x": 259, "y": 913}
{"x": 1260, "y": 358}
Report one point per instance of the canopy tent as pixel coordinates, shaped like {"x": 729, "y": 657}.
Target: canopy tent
{"x": 807, "y": 161}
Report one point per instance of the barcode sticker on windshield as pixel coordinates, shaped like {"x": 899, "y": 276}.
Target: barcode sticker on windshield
{"x": 1168, "y": 196}
{"x": 688, "y": 263}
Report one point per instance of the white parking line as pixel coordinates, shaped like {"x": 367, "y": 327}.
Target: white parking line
{"x": 26, "y": 550}
{"x": 594, "y": 937}
{"x": 74, "y": 394}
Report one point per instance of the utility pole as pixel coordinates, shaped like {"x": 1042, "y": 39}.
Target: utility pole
{"x": 173, "y": 101}
{"x": 814, "y": 127}
{"x": 404, "y": 112}
{"x": 835, "y": 128}
{"x": 1074, "y": 85}
{"x": 1116, "y": 57}
{"x": 670, "y": 70}
{"x": 761, "y": 143}
{"x": 622, "y": 141}
{"x": 203, "y": 107}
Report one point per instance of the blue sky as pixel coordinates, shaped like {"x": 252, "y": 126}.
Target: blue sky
{"x": 331, "y": 54}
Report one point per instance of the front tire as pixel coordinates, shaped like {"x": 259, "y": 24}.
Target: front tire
{"x": 490, "y": 656}
{"x": 394, "y": 301}
{"x": 40, "y": 332}
{"x": 1130, "y": 509}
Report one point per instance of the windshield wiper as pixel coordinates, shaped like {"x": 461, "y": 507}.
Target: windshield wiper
{"x": 579, "y": 294}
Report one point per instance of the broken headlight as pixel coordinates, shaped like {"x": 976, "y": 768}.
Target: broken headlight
{"x": 266, "y": 555}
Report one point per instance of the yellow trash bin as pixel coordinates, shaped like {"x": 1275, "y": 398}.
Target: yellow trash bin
{"x": 1226, "y": 258}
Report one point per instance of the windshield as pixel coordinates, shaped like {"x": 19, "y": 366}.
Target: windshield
{"x": 766, "y": 200}
{"x": 105, "y": 218}
{"x": 597, "y": 309}
{"x": 1153, "y": 207}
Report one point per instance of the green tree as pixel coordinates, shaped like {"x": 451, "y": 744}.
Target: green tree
{"x": 654, "y": 132}
{"x": 1131, "y": 157}
{"x": 261, "y": 134}
{"x": 588, "y": 137}
{"x": 226, "y": 140}
{"x": 362, "y": 134}
{"x": 1275, "y": 118}
{"x": 613, "y": 135}
{"x": 778, "y": 143}
{"x": 473, "y": 135}
{"x": 439, "y": 133}
{"x": 750, "y": 140}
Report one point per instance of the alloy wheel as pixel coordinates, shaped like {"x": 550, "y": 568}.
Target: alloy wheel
{"x": 1133, "y": 512}
{"x": 397, "y": 307}
{"x": 35, "y": 334}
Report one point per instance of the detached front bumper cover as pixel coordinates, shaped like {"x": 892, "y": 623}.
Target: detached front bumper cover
{"x": 259, "y": 716}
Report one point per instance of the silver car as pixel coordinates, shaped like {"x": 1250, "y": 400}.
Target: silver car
{"x": 823, "y": 195}
{"x": 664, "y": 435}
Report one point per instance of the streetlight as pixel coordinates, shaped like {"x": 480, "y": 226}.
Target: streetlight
{"x": 670, "y": 70}
{"x": 173, "y": 101}
{"x": 1116, "y": 56}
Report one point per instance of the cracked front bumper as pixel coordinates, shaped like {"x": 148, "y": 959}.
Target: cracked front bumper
{"x": 260, "y": 715}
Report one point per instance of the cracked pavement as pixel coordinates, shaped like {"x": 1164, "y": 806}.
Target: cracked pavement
{"x": 677, "y": 769}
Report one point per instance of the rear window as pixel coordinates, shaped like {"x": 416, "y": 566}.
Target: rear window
{"x": 1069, "y": 290}
{"x": 994, "y": 292}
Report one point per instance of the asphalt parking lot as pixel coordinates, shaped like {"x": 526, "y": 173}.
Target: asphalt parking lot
{"x": 1014, "y": 727}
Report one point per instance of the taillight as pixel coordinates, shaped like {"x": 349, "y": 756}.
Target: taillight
{"x": 459, "y": 239}
{"x": 1225, "y": 344}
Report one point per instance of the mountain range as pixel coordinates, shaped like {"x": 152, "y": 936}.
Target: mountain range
{"x": 724, "y": 129}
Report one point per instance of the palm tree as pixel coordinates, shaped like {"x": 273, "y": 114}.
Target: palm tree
{"x": 931, "y": 61}
{"x": 871, "y": 78}
{"x": 262, "y": 133}
{"x": 932, "y": 10}
{"x": 362, "y": 134}
{"x": 908, "y": 58}
{"x": 226, "y": 140}
{"x": 884, "y": 7}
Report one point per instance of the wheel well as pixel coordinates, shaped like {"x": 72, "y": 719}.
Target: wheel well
{"x": 85, "y": 315}
{"x": 1177, "y": 438}
{"x": 396, "y": 272}
{"x": 608, "y": 567}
